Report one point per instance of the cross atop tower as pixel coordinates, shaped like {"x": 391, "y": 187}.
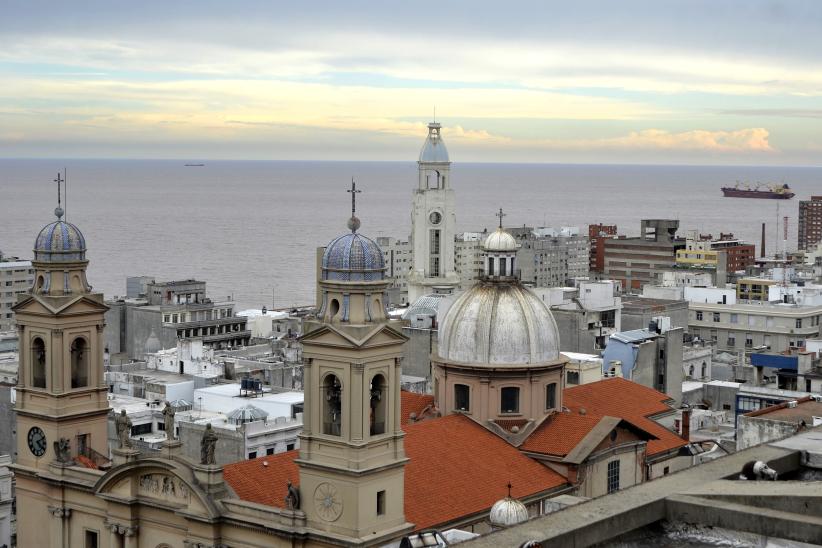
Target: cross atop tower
{"x": 500, "y": 215}
{"x": 353, "y": 223}
{"x": 59, "y": 210}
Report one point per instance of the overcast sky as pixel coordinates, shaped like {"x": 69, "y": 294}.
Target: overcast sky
{"x": 732, "y": 82}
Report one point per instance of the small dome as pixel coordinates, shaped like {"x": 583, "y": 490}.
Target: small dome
{"x": 60, "y": 241}
{"x": 498, "y": 323}
{"x": 247, "y": 413}
{"x": 353, "y": 257}
{"x": 434, "y": 151}
{"x": 507, "y": 512}
{"x": 500, "y": 240}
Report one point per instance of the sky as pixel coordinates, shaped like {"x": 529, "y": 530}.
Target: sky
{"x": 691, "y": 82}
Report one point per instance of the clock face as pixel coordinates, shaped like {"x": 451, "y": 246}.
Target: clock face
{"x": 328, "y": 502}
{"x": 435, "y": 217}
{"x": 37, "y": 441}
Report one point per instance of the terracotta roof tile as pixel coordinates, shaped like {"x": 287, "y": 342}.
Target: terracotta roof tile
{"x": 411, "y": 402}
{"x": 560, "y": 433}
{"x": 456, "y": 468}
{"x": 627, "y": 400}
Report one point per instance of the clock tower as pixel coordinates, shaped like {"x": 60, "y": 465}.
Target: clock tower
{"x": 352, "y": 461}
{"x": 62, "y": 403}
{"x": 433, "y": 221}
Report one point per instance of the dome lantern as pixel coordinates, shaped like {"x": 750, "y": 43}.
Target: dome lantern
{"x": 507, "y": 512}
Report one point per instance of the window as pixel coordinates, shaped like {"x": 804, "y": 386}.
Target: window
{"x": 551, "y": 396}
{"x": 79, "y": 363}
{"x": 289, "y": 447}
{"x": 748, "y": 340}
{"x": 462, "y": 397}
{"x": 509, "y": 400}
{"x": 252, "y": 455}
{"x": 572, "y": 377}
{"x": 799, "y": 322}
{"x": 666, "y": 471}
{"x": 91, "y": 539}
{"x": 141, "y": 429}
{"x": 716, "y": 316}
{"x": 613, "y": 476}
{"x": 380, "y": 503}
{"x": 38, "y": 363}
{"x": 502, "y": 266}
{"x": 731, "y": 340}
{"x": 332, "y": 406}
{"x": 269, "y": 451}
{"x": 490, "y": 266}
{"x": 379, "y": 398}
{"x": 699, "y": 315}
{"x": 734, "y": 318}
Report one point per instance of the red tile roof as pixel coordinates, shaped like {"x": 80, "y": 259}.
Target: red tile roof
{"x": 627, "y": 400}
{"x": 411, "y": 402}
{"x": 456, "y": 468}
{"x": 560, "y": 433}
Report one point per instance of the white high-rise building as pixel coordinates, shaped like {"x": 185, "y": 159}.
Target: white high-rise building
{"x": 433, "y": 222}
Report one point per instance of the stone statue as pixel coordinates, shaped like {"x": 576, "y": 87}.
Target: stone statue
{"x": 123, "y": 425}
{"x": 207, "y": 445}
{"x": 292, "y": 499}
{"x": 62, "y": 448}
{"x": 168, "y": 420}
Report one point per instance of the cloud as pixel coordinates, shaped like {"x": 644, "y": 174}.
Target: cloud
{"x": 738, "y": 141}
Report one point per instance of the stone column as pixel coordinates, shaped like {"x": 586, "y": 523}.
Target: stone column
{"x": 481, "y": 412}
{"x": 59, "y": 526}
{"x": 357, "y": 402}
{"x": 316, "y": 398}
{"x": 130, "y": 536}
{"x": 97, "y": 367}
{"x": 56, "y": 359}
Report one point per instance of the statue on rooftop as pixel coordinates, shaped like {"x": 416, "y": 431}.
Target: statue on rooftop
{"x": 207, "y": 445}
{"x": 292, "y": 499}
{"x": 123, "y": 425}
{"x": 168, "y": 420}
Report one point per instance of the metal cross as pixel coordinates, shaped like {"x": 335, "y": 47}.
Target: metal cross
{"x": 59, "y": 210}
{"x": 354, "y": 193}
{"x": 500, "y": 215}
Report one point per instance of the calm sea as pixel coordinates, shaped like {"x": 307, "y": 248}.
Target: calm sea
{"x": 250, "y": 229}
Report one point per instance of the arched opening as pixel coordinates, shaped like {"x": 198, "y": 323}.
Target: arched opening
{"x": 41, "y": 281}
{"x": 462, "y": 397}
{"x": 377, "y": 311}
{"x": 79, "y": 363}
{"x": 551, "y": 396}
{"x": 333, "y": 308}
{"x": 509, "y": 399}
{"x": 502, "y": 266}
{"x": 76, "y": 284}
{"x": 704, "y": 370}
{"x": 332, "y": 405}
{"x": 490, "y": 266}
{"x": 379, "y": 404}
{"x": 38, "y": 363}
{"x": 691, "y": 371}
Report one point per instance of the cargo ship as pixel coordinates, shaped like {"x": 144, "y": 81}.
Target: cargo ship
{"x": 772, "y": 192}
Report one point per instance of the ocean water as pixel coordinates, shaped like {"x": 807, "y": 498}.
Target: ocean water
{"x": 250, "y": 228}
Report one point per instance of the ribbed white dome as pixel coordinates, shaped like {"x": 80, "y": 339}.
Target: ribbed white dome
{"x": 507, "y": 512}
{"x": 433, "y": 150}
{"x": 500, "y": 240}
{"x": 498, "y": 323}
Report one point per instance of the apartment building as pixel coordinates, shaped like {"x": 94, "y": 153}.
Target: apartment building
{"x": 641, "y": 260}
{"x": 551, "y": 257}
{"x": 16, "y": 277}
{"x": 810, "y": 223}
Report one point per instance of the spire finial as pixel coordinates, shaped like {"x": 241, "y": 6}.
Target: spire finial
{"x": 500, "y": 215}
{"x": 58, "y": 211}
{"x": 353, "y": 222}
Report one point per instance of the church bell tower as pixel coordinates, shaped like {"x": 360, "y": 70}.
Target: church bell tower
{"x": 352, "y": 459}
{"x": 61, "y": 394}
{"x": 433, "y": 221}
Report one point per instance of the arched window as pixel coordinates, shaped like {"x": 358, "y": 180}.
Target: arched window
{"x": 490, "y": 266}
{"x": 502, "y": 265}
{"x": 332, "y": 406}
{"x": 79, "y": 363}
{"x": 333, "y": 308}
{"x": 462, "y": 397}
{"x": 38, "y": 363}
{"x": 691, "y": 371}
{"x": 509, "y": 399}
{"x": 551, "y": 396}
{"x": 379, "y": 405}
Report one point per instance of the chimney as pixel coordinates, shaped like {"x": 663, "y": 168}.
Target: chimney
{"x": 762, "y": 245}
{"x": 686, "y": 424}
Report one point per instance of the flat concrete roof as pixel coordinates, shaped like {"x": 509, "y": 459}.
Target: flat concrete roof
{"x": 232, "y": 390}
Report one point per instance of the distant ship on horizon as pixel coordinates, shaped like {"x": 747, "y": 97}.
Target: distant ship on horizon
{"x": 194, "y": 165}
{"x": 771, "y": 192}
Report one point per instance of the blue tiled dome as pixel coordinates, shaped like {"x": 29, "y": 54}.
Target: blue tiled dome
{"x": 60, "y": 241}
{"x": 353, "y": 257}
